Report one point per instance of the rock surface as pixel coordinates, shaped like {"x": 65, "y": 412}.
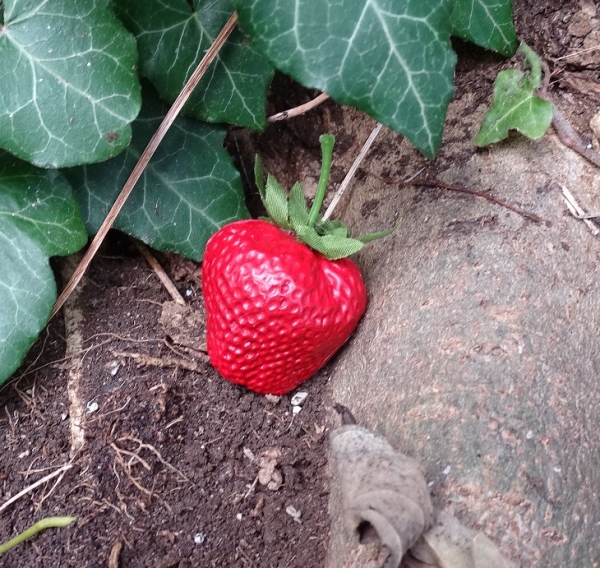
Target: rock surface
{"x": 479, "y": 353}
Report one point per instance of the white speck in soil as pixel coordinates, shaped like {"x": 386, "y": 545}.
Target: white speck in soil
{"x": 293, "y": 512}
{"x": 299, "y": 398}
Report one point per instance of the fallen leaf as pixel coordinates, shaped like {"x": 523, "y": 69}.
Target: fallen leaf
{"x": 449, "y": 544}
{"x": 382, "y": 488}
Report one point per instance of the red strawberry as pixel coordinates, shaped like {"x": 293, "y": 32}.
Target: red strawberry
{"x": 281, "y": 298}
{"x": 276, "y": 310}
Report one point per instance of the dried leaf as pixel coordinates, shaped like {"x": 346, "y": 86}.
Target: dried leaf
{"x": 382, "y": 488}
{"x": 449, "y": 544}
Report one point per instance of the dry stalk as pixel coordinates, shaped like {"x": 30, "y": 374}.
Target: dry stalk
{"x": 60, "y": 471}
{"x": 299, "y": 110}
{"x": 160, "y": 272}
{"x": 145, "y": 159}
{"x": 346, "y": 181}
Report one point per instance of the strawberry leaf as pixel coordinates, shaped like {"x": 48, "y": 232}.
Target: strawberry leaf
{"x": 69, "y": 86}
{"x": 173, "y": 37}
{"x": 333, "y": 227}
{"x": 298, "y": 211}
{"x": 369, "y": 237}
{"x": 276, "y": 203}
{"x": 259, "y": 177}
{"x": 332, "y": 247}
{"x": 39, "y": 218}
{"x": 188, "y": 191}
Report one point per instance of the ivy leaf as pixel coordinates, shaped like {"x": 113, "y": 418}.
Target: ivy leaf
{"x": 391, "y": 59}
{"x": 487, "y": 23}
{"x": 39, "y": 218}
{"x": 173, "y": 37}
{"x": 187, "y": 192}
{"x": 515, "y": 106}
{"x": 69, "y": 87}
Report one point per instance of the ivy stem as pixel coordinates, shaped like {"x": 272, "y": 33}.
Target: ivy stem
{"x": 534, "y": 63}
{"x": 327, "y": 141}
{"x": 47, "y": 523}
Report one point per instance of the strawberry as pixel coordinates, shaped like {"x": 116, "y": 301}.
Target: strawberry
{"x": 281, "y": 298}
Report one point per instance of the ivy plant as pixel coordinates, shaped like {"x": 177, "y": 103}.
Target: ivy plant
{"x": 74, "y": 115}
{"x": 516, "y": 104}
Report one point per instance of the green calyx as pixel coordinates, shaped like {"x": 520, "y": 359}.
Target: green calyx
{"x": 291, "y": 213}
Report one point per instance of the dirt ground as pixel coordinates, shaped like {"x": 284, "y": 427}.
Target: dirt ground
{"x": 169, "y": 469}
{"x": 171, "y": 465}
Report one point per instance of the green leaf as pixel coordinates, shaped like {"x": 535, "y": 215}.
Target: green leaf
{"x": 515, "y": 106}
{"x": 487, "y": 23}
{"x": 69, "y": 87}
{"x": 333, "y": 227}
{"x": 276, "y": 203}
{"x": 298, "y": 211}
{"x": 259, "y": 176}
{"x": 391, "y": 59}
{"x": 188, "y": 191}
{"x": 173, "y": 37}
{"x": 39, "y": 218}
{"x": 330, "y": 246}
{"x": 370, "y": 237}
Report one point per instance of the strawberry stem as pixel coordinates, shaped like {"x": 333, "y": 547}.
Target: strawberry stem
{"x": 326, "y": 141}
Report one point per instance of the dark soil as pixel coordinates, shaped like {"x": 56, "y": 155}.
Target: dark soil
{"x": 168, "y": 472}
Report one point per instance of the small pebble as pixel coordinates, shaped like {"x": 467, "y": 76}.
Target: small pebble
{"x": 299, "y": 398}
{"x": 199, "y": 538}
{"x": 273, "y": 399}
{"x": 447, "y": 470}
{"x": 293, "y": 512}
{"x": 92, "y": 406}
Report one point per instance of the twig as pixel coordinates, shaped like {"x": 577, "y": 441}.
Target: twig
{"x": 570, "y": 138}
{"x": 160, "y": 272}
{"x": 34, "y": 485}
{"x": 352, "y": 171}
{"x": 299, "y": 110}
{"x": 47, "y": 523}
{"x": 425, "y": 183}
{"x": 145, "y": 158}
{"x": 577, "y": 211}
{"x": 566, "y": 133}
{"x": 115, "y": 552}
{"x": 587, "y": 50}
{"x": 143, "y": 360}
{"x": 150, "y": 447}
